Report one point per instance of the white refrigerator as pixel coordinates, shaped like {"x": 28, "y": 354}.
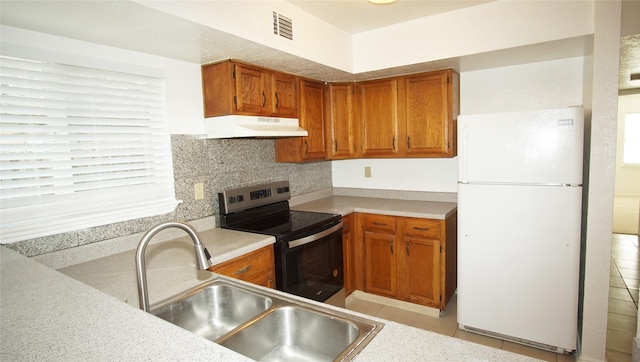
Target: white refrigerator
{"x": 519, "y": 225}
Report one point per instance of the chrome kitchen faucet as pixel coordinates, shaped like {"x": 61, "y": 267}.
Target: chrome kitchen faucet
{"x": 202, "y": 255}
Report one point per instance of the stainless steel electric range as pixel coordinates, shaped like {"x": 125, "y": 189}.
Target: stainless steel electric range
{"x": 308, "y": 247}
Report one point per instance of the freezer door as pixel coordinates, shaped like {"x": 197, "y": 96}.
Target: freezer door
{"x": 518, "y": 261}
{"x": 524, "y": 147}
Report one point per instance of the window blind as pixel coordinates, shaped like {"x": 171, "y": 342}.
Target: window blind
{"x": 79, "y": 147}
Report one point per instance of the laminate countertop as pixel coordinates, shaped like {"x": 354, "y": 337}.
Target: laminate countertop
{"x": 344, "y": 205}
{"x": 90, "y": 311}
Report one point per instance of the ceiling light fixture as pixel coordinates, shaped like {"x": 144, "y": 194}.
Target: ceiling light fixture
{"x": 382, "y": 2}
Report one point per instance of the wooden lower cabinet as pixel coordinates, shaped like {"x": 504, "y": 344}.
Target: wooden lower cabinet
{"x": 348, "y": 254}
{"x": 410, "y": 259}
{"x": 257, "y": 267}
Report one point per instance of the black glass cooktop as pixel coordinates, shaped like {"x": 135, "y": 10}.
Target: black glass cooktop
{"x": 287, "y": 224}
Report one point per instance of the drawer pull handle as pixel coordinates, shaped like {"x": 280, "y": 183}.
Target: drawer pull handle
{"x": 391, "y": 246}
{"x": 379, "y": 223}
{"x": 407, "y": 247}
{"x": 421, "y": 229}
{"x": 243, "y": 270}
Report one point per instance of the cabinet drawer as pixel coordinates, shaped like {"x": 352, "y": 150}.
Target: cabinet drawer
{"x": 422, "y": 227}
{"x": 248, "y": 266}
{"x": 380, "y": 223}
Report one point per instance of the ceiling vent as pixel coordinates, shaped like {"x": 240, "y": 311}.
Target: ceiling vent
{"x": 282, "y": 26}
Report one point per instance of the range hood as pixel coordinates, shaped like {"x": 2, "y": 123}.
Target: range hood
{"x": 236, "y": 126}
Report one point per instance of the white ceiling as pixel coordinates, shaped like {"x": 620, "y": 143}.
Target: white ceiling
{"x": 355, "y": 16}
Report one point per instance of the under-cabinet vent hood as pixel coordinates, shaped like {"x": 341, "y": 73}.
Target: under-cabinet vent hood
{"x": 235, "y": 126}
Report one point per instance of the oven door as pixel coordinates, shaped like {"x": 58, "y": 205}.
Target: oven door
{"x": 311, "y": 267}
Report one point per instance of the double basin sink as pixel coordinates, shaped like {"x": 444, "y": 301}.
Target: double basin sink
{"x": 267, "y": 326}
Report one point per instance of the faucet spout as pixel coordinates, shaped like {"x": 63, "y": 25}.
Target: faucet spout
{"x": 202, "y": 255}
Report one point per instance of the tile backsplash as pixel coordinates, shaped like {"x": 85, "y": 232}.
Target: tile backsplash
{"x": 217, "y": 164}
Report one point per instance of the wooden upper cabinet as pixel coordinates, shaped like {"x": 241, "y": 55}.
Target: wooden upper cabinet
{"x": 311, "y": 117}
{"x": 430, "y": 113}
{"x": 341, "y": 136}
{"x": 284, "y": 95}
{"x": 230, "y": 87}
{"x": 379, "y": 118}
{"x": 251, "y": 90}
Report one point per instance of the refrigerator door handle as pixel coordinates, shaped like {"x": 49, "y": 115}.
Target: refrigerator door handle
{"x": 463, "y": 133}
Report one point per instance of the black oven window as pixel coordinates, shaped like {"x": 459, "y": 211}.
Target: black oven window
{"x": 315, "y": 270}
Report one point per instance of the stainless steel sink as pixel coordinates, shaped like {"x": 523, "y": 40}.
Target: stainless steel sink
{"x": 266, "y": 325}
{"x": 295, "y": 334}
{"x": 213, "y": 309}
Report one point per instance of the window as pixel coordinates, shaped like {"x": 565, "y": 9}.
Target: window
{"x": 79, "y": 147}
{"x": 631, "y": 151}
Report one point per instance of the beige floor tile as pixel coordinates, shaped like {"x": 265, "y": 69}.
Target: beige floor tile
{"x": 566, "y": 357}
{"x": 630, "y": 264}
{"x": 629, "y": 273}
{"x": 529, "y": 351}
{"x": 622, "y": 307}
{"x": 624, "y": 247}
{"x": 631, "y": 283}
{"x": 623, "y": 255}
{"x": 620, "y": 341}
{"x": 478, "y": 338}
{"x": 364, "y": 306}
{"x": 615, "y": 356}
{"x": 397, "y": 315}
{"x": 446, "y": 326}
{"x": 617, "y": 282}
{"x": 621, "y": 322}
{"x": 620, "y": 294}
{"x": 613, "y": 270}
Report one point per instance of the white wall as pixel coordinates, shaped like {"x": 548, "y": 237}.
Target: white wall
{"x": 183, "y": 84}
{"x": 482, "y": 28}
{"x": 551, "y": 84}
{"x": 437, "y": 175}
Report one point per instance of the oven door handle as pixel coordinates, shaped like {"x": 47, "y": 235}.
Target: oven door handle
{"x": 314, "y": 237}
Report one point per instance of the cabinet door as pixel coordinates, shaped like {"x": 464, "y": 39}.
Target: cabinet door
{"x": 379, "y": 118}
{"x": 380, "y": 264}
{"x": 340, "y": 122}
{"x": 311, "y": 117}
{"x": 349, "y": 255}
{"x": 251, "y": 90}
{"x": 256, "y": 267}
{"x": 421, "y": 270}
{"x": 284, "y": 97}
{"x": 428, "y": 114}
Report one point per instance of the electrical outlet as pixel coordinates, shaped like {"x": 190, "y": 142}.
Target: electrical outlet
{"x": 199, "y": 190}
{"x": 367, "y": 171}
